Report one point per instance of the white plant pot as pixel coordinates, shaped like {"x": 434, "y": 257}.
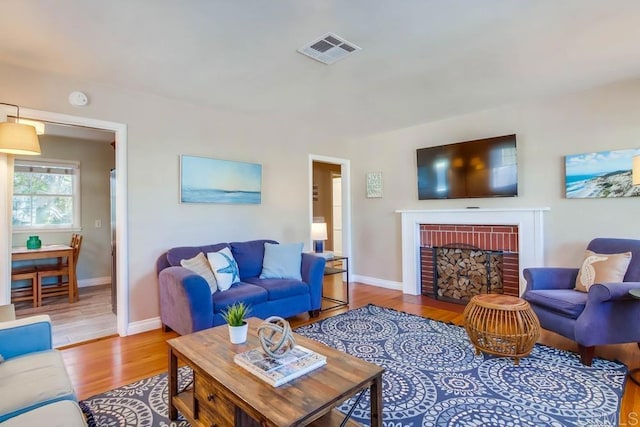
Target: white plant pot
{"x": 238, "y": 334}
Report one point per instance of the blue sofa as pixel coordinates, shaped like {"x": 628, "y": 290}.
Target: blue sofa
{"x": 186, "y": 302}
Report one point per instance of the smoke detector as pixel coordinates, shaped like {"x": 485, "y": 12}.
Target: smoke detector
{"x": 328, "y": 48}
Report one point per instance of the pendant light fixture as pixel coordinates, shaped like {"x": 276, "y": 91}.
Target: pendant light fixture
{"x": 18, "y": 138}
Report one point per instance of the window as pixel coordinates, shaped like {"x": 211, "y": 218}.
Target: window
{"x": 46, "y": 194}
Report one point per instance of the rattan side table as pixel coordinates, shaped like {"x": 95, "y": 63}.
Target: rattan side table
{"x": 501, "y": 325}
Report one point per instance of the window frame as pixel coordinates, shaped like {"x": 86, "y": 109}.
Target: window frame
{"x": 74, "y": 166}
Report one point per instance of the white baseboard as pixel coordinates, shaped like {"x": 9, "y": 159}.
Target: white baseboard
{"x": 373, "y": 281}
{"x": 144, "y": 326}
{"x": 94, "y": 281}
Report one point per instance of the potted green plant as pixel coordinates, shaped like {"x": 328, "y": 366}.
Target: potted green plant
{"x": 235, "y": 316}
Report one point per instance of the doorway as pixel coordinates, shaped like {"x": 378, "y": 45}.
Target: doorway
{"x": 83, "y": 158}
{"x": 330, "y": 201}
{"x": 119, "y": 131}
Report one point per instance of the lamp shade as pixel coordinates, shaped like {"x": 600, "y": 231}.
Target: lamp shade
{"x": 635, "y": 170}
{"x": 319, "y": 231}
{"x": 16, "y": 138}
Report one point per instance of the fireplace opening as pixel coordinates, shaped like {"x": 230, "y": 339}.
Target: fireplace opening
{"x": 496, "y": 242}
{"x": 461, "y": 271}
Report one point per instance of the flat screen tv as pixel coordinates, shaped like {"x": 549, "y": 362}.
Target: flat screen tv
{"x": 479, "y": 168}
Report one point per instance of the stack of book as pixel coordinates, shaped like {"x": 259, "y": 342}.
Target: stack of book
{"x": 276, "y": 372}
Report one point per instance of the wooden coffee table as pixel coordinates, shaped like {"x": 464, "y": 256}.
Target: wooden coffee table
{"x": 225, "y": 394}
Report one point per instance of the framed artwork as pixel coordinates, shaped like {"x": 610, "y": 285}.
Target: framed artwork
{"x": 601, "y": 174}
{"x": 205, "y": 180}
{"x": 374, "y": 184}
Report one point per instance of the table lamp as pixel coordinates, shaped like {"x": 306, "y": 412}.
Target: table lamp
{"x": 318, "y": 235}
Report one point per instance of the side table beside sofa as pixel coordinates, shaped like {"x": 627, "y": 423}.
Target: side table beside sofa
{"x": 35, "y": 387}
{"x": 187, "y": 304}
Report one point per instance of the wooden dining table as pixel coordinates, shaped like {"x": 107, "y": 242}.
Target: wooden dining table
{"x": 21, "y": 253}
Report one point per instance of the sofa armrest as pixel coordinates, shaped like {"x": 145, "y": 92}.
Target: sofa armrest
{"x": 312, "y": 273}
{"x": 550, "y": 278}
{"x": 185, "y": 300}
{"x": 614, "y": 291}
{"x": 609, "y": 315}
{"x": 23, "y": 336}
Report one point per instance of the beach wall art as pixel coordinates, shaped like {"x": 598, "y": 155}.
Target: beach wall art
{"x": 601, "y": 174}
{"x": 206, "y": 180}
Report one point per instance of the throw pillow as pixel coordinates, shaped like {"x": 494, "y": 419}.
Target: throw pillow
{"x": 602, "y": 268}
{"x": 224, "y": 267}
{"x": 199, "y": 264}
{"x": 282, "y": 261}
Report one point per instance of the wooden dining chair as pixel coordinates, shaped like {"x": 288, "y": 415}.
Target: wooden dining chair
{"x": 60, "y": 270}
{"x": 25, "y": 293}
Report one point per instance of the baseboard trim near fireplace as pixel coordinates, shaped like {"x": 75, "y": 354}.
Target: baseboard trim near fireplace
{"x": 381, "y": 283}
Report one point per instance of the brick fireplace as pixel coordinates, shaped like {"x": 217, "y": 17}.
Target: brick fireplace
{"x": 460, "y": 261}
{"x": 466, "y": 225}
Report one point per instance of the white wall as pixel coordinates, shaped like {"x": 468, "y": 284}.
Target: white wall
{"x": 159, "y": 130}
{"x": 547, "y": 130}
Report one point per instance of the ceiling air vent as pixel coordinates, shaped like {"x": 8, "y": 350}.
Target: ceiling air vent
{"x": 328, "y": 48}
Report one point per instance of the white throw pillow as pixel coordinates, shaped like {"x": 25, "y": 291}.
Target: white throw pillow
{"x": 282, "y": 261}
{"x": 602, "y": 268}
{"x": 224, "y": 267}
{"x": 199, "y": 264}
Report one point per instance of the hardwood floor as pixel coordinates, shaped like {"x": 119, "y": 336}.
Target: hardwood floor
{"x": 101, "y": 365}
{"x": 87, "y": 319}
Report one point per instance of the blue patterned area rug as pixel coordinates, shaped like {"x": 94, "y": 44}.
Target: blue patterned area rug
{"x": 433, "y": 377}
{"x": 143, "y": 403}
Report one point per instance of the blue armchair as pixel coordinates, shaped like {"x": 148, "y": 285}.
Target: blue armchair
{"x": 606, "y": 314}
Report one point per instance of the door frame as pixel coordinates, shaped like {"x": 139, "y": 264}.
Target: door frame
{"x": 345, "y": 172}
{"x": 120, "y": 130}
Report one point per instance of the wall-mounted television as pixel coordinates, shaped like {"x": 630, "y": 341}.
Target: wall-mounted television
{"x": 479, "y": 168}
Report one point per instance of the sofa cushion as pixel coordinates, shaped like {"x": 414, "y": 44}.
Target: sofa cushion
{"x": 245, "y": 292}
{"x": 280, "y": 288}
{"x": 282, "y": 261}
{"x": 224, "y": 267}
{"x": 602, "y": 268}
{"x": 29, "y": 381}
{"x": 249, "y": 256}
{"x": 565, "y": 301}
{"x": 200, "y": 264}
{"x": 175, "y": 255}
{"x": 65, "y": 413}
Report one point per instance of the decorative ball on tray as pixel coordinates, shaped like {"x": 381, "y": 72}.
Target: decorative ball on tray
{"x": 276, "y": 337}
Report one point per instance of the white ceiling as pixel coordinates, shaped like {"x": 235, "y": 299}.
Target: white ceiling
{"x": 421, "y": 60}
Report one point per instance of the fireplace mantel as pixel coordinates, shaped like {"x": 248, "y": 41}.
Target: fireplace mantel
{"x": 528, "y": 220}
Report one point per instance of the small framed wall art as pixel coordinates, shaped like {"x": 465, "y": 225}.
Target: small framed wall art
{"x": 205, "y": 180}
{"x": 374, "y": 185}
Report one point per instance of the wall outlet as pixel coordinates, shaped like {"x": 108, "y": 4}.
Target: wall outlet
{"x": 98, "y": 223}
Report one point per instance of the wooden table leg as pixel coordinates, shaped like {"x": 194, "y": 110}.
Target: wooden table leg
{"x": 172, "y": 385}
{"x": 73, "y": 290}
{"x": 376, "y": 401}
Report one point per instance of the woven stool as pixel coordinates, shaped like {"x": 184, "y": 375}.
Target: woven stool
{"x": 501, "y": 325}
